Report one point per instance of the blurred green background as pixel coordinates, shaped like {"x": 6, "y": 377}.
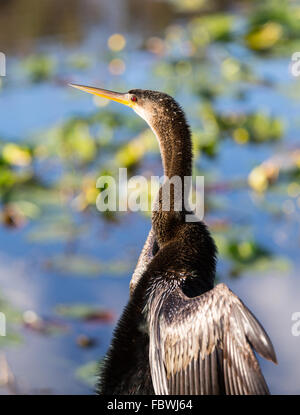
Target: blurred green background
{"x": 65, "y": 267}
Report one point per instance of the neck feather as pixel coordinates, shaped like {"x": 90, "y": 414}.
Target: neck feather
{"x": 174, "y": 138}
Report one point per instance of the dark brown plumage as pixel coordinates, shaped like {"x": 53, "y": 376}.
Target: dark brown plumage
{"x": 178, "y": 333}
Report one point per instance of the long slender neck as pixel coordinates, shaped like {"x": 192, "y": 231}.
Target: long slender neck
{"x": 174, "y": 138}
{"x": 176, "y": 148}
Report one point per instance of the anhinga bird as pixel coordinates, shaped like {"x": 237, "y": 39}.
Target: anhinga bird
{"x": 180, "y": 334}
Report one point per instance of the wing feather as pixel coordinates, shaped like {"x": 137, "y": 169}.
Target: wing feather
{"x": 204, "y": 345}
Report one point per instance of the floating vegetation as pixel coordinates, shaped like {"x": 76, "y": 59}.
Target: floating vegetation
{"x": 88, "y": 373}
{"x": 85, "y": 312}
{"x": 228, "y": 69}
{"x": 46, "y": 326}
{"x": 39, "y": 67}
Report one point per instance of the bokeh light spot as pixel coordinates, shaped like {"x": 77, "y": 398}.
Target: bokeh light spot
{"x": 116, "y": 42}
{"x": 117, "y": 67}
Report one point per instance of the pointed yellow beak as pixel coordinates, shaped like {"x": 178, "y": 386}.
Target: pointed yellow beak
{"x": 104, "y": 93}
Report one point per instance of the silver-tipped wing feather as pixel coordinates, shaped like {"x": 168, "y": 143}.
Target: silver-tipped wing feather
{"x": 204, "y": 344}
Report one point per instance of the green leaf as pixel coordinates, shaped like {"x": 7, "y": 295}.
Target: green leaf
{"x": 88, "y": 373}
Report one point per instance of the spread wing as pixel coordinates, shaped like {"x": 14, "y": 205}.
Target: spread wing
{"x": 204, "y": 344}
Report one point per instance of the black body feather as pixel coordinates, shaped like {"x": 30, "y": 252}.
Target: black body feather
{"x": 178, "y": 333}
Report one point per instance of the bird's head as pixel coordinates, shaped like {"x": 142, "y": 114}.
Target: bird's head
{"x": 152, "y": 106}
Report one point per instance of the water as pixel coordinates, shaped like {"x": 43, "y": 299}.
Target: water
{"x": 47, "y": 364}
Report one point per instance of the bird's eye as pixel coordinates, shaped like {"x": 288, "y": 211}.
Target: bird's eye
{"x": 133, "y": 98}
